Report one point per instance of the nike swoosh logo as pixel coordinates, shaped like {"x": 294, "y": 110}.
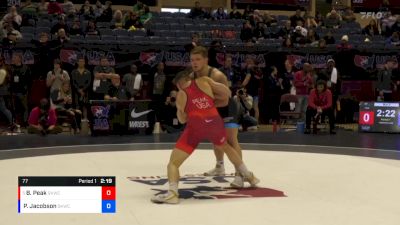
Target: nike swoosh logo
{"x": 208, "y": 121}
{"x": 137, "y": 115}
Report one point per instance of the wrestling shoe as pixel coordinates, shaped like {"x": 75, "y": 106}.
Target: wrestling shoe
{"x": 171, "y": 197}
{"x": 251, "y": 179}
{"x": 217, "y": 171}
{"x": 238, "y": 182}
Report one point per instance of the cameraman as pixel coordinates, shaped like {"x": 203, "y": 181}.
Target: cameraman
{"x": 169, "y": 121}
{"x": 42, "y": 119}
{"x": 245, "y": 105}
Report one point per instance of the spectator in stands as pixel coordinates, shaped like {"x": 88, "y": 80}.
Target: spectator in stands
{"x": 269, "y": 19}
{"x": 20, "y": 82}
{"x": 287, "y": 43}
{"x": 344, "y": 43}
{"x": 43, "y": 50}
{"x": 396, "y": 26}
{"x": 138, "y": 8}
{"x": 91, "y": 28}
{"x": 312, "y": 38}
{"x": 319, "y": 19}
{"x": 259, "y": 32}
{"x": 372, "y": 29}
{"x": 117, "y": 22}
{"x": 285, "y": 31}
{"x": 98, "y": 9}
{"x": 58, "y": 43}
{"x": 195, "y": 42}
{"x": 386, "y": 23}
{"x": 320, "y": 105}
{"x": 61, "y": 24}
{"x": 299, "y": 36}
{"x": 43, "y": 7}
{"x": 255, "y": 18}
{"x": 394, "y": 40}
{"x": 215, "y": 47}
{"x": 8, "y": 28}
{"x": 287, "y": 78}
{"x": 62, "y": 101}
{"x": 13, "y": 17}
{"x": 42, "y": 119}
{"x": 220, "y": 14}
{"x": 87, "y": 11}
{"x": 5, "y": 93}
{"x": 133, "y": 81}
{"x": 56, "y": 77}
{"x": 133, "y": 20}
{"x": 331, "y": 75}
{"x": 329, "y": 39}
{"x": 251, "y": 82}
{"x": 245, "y": 103}
{"x": 168, "y": 119}
{"x": 296, "y": 17}
{"x": 158, "y": 82}
{"x": 76, "y": 29}
{"x": 333, "y": 19}
{"x": 69, "y": 8}
{"x": 303, "y": 82}
{"x": 385, "y": 80}
{"x": 309, "y": 21}
{"x": 146, "y": 16}
{"x": 29, "y": 12}
{"x": 235, "y": 14}
{"x": 248, "y": 12}
{"x": 81, "y": 81}
{"x": 197, "y": 12}
{"x": 107, "y": 14}
{"x": 322, "y": 44}
{"x": 54, "y": 8}
{"x": 273, "y": 87}
{"x": 231, "y": 73}
{"x": 246, "y": 34}
{"x": 348, "y": 15}
{"x": 103, "y": 74}
{"x": 11, "y": 40}
{"x": 118, "y": 91}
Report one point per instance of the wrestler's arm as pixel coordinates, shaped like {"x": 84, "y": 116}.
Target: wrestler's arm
{"x": 180, "y": 106}
{"x": 221, "y": 93}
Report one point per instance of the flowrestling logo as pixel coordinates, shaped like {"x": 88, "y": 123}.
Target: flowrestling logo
{"x": 202, "y": 187}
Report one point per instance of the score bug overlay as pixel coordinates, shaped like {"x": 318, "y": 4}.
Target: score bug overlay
{"x": 66, "y": 194}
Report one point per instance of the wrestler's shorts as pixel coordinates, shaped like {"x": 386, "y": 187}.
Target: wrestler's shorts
{"x": 230, "y": 114}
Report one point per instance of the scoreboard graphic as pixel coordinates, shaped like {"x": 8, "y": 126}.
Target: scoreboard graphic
{"x": 379, "y": 117}
{"x": 66, "y": 195}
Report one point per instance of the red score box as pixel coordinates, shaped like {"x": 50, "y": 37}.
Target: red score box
{"x": 108, "y": 193}
{"x": 367, "y": 118}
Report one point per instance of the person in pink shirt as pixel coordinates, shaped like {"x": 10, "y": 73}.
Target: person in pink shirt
{"x": 303, "y": 82}
{"x": 54, "y": 8}
{"x": 42, "y": 119}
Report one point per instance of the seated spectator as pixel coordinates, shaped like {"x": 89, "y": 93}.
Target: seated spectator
{"x": 386, "y": 23}
{"x": 117, "y": 91}
{"x": 11, "y": 40}
{"x": 296, "y": 17}
{"x": 394, "y": 40}
{"x": 13, "y": 17}
{"x": 220, "y": 14}
{"x": 329, "y": 39}
{"x": 287, "y": 43}
{"x": 42, "y": 119}
{"x": 371, "y": 29}
{"x": 69, "y": 8}
{"x": 28, "y": 11}
{"x": 269, "y": 19}
{"x": 309, "y": 21}
{"x": 43, "y": 7}
{"x": 81, "y": 81}
{"x": 299, "y": 36}
{"x": 322, "y": 44}
{"x": 259, "y": 32}
{"x": 333, "y": 19}
{"x": 168, "y": 119}
{"x": 76, "y": 29}
{"x": 197, "y": 12}
{"x": 62, "y": 101}
{"x": 61, "y": 24}
{"x": 133, "y": 82}
{"x": 117, "y": 22}
{"x": 312, "y": 38}
{"x": 62, "y": 38}
{"x": 98, "y": 9}
{"x": 255, "y": 18}
{"x": 348, "y": 15}
{"x": 235, "y": 14}
{"x": 132, "y": 22}
{"x": 103, "y": 74}
{"x": 319, "y": 19}
{"x": 285, "y": 31}
{"x": 56, "y": 77}
{"x": 319, "y": 106}
{"x": 396, "y": 26}
{"x": 86, "y": 11}
{"x": 147, "y": 15}
{"x": 107, "y": 14}
{"x": 91, "y": 28}
{"x": 195, "y": 42}
{"x": 138, "y": 8}
{"x": 245, "y": 103}
{"x": 54, "y": 8}
{"x": 248, "y": 12}
{"x": 344, "y": 43}
{"x": 246, "y": 34}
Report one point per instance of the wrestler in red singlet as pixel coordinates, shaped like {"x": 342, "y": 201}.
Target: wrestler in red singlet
{"x": 204, "y": 122}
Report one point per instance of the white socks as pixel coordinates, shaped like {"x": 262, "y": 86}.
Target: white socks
{"x": 220, "y": 164}
{"x": 173, "y": 186}
{"x": 243, "y": 170}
